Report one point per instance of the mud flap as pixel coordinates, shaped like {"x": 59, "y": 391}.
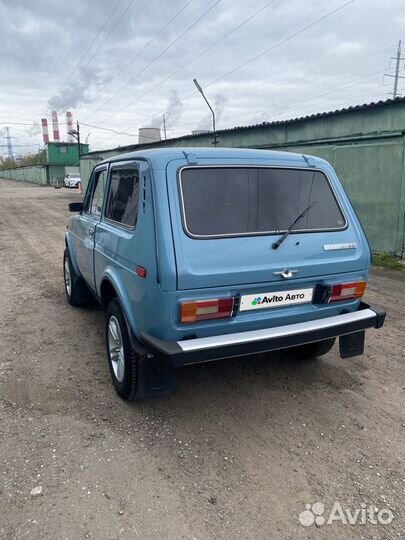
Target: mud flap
{"x": 352, "y": 344}
{"x": 156, "y": 378}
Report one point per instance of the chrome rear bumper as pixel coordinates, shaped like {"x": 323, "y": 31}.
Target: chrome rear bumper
{"x": 205, "y": 349}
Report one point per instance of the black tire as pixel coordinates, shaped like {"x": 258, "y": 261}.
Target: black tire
{"x": 311, "y": 350}
{"x": 126, "y": 383}
{"x": 77, "y": 294}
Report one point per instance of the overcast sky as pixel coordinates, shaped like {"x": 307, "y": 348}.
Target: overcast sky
{"x": 122, "y": 64}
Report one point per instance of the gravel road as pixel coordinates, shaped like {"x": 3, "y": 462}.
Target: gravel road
{"x": 237, "y": 453}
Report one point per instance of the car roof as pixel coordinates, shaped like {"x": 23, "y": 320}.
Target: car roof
{"x": 159, "y": 157}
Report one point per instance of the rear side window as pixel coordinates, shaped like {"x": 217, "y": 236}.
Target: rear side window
{"x": 123, "y": 196}
{"x": 252, "y": 200}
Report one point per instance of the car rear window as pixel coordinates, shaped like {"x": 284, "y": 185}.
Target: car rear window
{"x": 224, "y": 201}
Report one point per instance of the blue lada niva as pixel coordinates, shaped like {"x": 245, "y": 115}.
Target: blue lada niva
{"x": 201, "y": 254}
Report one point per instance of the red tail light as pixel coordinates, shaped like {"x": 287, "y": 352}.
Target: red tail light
{"x": 203, "y": 310}
{"x": 346, "y": 291}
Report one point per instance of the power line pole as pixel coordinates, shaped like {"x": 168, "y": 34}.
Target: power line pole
{"x": 8, "y": 138}
{"x": 397, "y": 70}
{"x": 396, "y": 75}
{"x": 164, "y": 126}
{"x": 76, "y": 134}
{"x": 78, "y": 139}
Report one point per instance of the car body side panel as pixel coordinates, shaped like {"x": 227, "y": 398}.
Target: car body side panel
{"x": 83, "y": 229}
{"x": 118, "y": 252}
{"x": 165, "y": 248}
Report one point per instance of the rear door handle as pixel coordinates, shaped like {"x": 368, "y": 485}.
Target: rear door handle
{"x": 91, "y": 233}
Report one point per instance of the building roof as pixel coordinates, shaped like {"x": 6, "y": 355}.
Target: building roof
{"x": 346, "y": 110}
{"x": 314, "y": 116}
{"x": 66, "y": 143}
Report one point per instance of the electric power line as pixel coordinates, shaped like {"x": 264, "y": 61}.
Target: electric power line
{"x": 205, "y": 13}
{"x": 266, "y": 51}
{"x": 143, "y": 48}
{"x": 20, "y": 123}
{"x": 20, "y": 145}
{"x": 244, "y": 64}
{"x": 106, "y": 37}
{"x": 291, "y": 115}
{"x": 286, "y": 108}
{"x": 345, "y": 95}
{"x": 109, "y": 129}
{"x": 31, "y": 124}
{"x": 92, "y": 43}
{"x": 332, "y": 90}
{"x": 162, "y": 81}
{"x": 335, "y": 88}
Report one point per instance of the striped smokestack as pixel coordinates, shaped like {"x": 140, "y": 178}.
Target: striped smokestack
{"x": 69, "y": 126}
{"x": 55, "y": 126}
{"x": 45, "y": 134}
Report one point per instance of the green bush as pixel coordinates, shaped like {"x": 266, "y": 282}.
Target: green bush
{"x": 388, "y": 262}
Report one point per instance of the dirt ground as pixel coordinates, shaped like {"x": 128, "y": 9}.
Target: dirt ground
{"x": 237, "y": 453}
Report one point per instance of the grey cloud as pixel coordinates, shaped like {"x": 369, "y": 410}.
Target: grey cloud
{"x": 78, "y": 91}
{"x": 175, "y": 109}
{"x": 42, "y": 42}
{"x": 172, "y": 113}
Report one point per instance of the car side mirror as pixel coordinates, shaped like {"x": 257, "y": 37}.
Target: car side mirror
{"x": 75, "y": 206}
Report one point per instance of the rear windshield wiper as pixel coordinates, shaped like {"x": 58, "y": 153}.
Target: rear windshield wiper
{"x": 290, "y": 228}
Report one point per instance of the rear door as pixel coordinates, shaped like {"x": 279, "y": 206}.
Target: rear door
{"x": 225, "y": 220}
{"x": 86, "y": 223}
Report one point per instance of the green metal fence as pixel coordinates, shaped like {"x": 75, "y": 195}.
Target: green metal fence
{"x": 34, "y": 174}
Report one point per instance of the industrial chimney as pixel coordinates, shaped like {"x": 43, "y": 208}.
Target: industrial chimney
{"x": 69, "y": 126}
{"x": 55, "y": 126}
{"x": 45, "y": 134}
{"x": 148, "y": 135}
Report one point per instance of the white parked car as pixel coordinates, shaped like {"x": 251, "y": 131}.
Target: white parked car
{"x": 72, "y": 180}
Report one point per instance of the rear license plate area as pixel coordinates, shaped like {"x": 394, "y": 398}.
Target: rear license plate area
{"x": 275, "y": 299}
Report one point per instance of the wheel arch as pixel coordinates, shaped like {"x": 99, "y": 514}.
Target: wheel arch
{"x": 72, "y": 253}
{"x": 110, "y": 288}
{"x": 107, "y": 292}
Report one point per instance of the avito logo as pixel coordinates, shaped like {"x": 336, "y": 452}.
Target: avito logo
{"x": 315, "y": 514}
{"x": 277, "y": 298}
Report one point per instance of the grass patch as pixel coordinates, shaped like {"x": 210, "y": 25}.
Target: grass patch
{"x": 389, "y": 262}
